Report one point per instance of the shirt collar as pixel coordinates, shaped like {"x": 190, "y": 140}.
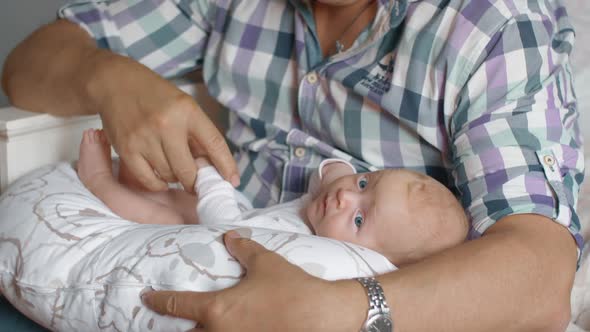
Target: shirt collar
{"x": 396, "y": 8}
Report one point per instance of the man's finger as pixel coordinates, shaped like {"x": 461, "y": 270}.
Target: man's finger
{"x": 144, "y": 173}
{"x": 213, "y": 142}
{"x": 196, "y": 149}
{"x": 160, "y": 163}
{"x": 181, "y": 162}
{"x": 188, "y": 305}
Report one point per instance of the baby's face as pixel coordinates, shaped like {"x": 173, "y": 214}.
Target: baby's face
{"x": 364, "y": 208}
{"x": 401, "y": 214}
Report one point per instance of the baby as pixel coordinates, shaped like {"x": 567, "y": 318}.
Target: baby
{"x": 404, "y": 215}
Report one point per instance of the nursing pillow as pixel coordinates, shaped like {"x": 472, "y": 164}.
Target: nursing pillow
{"x": 71, "y": 264}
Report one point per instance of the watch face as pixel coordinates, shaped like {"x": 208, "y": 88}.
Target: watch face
{"x": 380, "y": 323}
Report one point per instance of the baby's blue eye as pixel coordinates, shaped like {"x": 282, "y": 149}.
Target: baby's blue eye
{"x": 363, "y": 183}
{"x": 358, "y": 220}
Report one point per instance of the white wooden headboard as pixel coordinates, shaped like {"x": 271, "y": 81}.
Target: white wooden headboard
{"x": 31, "y": 140}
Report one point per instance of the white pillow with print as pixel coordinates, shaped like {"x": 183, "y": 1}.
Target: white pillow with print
{"x": 70, "y": 264}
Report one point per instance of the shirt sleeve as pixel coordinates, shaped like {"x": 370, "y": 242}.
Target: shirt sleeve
{"x": 168, "y": 36}
{"x": 516, "y": 145}
{"x": 220, "y": 204}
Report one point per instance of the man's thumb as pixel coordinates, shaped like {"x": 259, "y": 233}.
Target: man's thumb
{"x": 239, "y": 245}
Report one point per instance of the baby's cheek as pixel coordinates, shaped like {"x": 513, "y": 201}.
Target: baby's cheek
{"x": 322, "y": 232}
{"x": 314, "y": 219}
{"x": 319, "y": 228}
{"x": 327, "y": 229}
{"x": 309, "y": 213}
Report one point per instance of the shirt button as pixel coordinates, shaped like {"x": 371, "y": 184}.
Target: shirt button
{"x": 549, "y": 160}
{"x": 300, "y": 152}
{"x": 312, "y": 78}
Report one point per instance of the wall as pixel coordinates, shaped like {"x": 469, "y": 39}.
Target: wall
{"x": 18, "y": 18}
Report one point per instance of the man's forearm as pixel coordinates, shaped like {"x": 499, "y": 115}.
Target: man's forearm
{"x": 518, "y": 277}
{"x": 50, "y": 70}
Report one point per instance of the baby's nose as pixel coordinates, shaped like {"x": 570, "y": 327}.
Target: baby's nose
{"x": 345, "y": 198}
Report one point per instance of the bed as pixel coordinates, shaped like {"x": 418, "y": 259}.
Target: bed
{"x": 21, "y": 152}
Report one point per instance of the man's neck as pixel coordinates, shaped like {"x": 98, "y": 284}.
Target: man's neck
{"x": 336, "y": 23}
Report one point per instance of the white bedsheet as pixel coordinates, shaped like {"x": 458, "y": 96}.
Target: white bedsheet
{"x": 580, "y": 298}
{"x": 578, "y": 11}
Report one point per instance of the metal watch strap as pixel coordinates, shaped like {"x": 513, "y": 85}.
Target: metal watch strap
{"x": 377, "y": 303}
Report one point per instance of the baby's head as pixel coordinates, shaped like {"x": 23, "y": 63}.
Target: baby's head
{"x": 404, "y": 215}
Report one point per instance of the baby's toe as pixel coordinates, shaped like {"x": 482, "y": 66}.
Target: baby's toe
{"x": 86, "y": 136}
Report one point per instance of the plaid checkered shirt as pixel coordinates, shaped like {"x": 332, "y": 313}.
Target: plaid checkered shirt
{"x": 477, "y": 94}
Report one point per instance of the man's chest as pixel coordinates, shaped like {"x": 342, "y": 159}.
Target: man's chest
{"x": 378, "y": 103}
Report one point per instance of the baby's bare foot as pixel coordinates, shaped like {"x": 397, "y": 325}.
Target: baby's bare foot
{"x": 94, "y": 164}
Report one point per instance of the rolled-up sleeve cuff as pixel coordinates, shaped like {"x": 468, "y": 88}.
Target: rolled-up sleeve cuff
{"x": 90, "y": 16}
{"x": 520, "y": 206}
{"x": 543, "y": 190}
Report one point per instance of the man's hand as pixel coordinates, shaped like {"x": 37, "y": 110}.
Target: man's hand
{"x": 155, "y": 127}
{"x": 273, "y": 296}
{"x": 152, "y": 124}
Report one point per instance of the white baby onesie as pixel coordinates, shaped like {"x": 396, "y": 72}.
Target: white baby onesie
{"x": 220, "y": 203}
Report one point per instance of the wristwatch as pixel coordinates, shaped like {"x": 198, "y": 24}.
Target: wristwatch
{"x": 379, "y": 316}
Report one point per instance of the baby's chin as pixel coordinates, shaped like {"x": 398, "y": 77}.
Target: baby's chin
{"x": 311, "y": 214}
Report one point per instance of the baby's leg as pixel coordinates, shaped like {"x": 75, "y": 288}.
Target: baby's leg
{"x": 178, "y": 200}
{"x": 126, "y": 178}
{"x": 94, "y": 170}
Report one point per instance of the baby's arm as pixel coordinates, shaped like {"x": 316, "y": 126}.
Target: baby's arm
{"x": 216, "y": 202}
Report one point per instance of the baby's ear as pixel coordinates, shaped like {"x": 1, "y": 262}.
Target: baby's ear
{"x": 335, "y": 164}
{"x": 336, "y": 170}
{"x": 328, "y": 171}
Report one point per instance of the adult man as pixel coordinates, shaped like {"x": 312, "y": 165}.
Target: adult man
{"x": 475, "y": 93}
